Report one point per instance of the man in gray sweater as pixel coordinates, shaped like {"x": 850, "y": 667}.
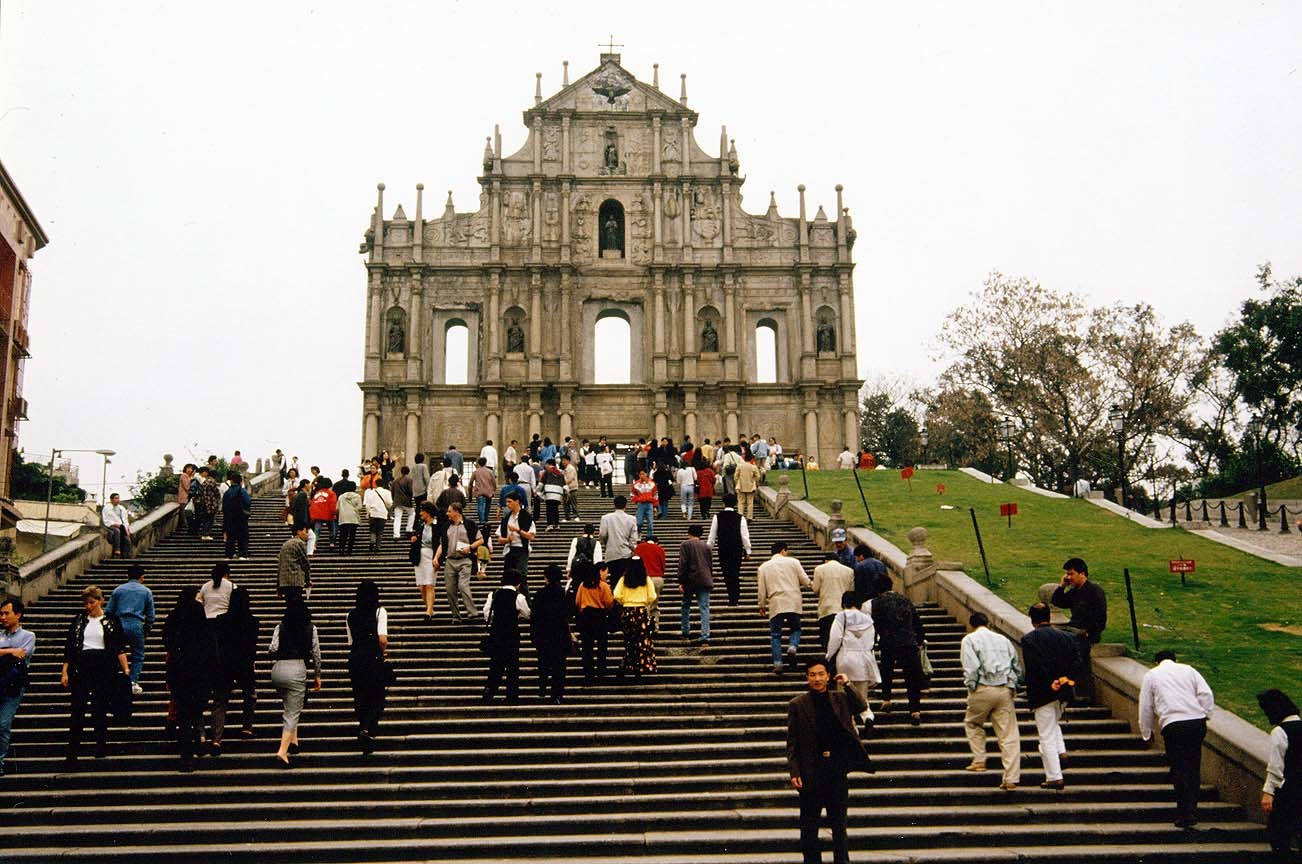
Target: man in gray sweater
{"x": 696, "y": 580}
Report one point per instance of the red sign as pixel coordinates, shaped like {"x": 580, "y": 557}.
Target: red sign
{"x": 940, "y": 488}
{"x": 1182, "y": 565}
{"x": 1007, "y": 509}
{"x": 906, "y": 473}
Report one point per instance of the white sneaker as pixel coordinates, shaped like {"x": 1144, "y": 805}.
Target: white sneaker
{"x": 136, "y": 690}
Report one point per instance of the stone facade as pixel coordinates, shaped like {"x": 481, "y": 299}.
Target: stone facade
{"x": 610, "y": 208}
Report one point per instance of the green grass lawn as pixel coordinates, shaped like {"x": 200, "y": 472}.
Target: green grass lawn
{"x": 1284, "y": 489}
{"x": 1229, "y": 619}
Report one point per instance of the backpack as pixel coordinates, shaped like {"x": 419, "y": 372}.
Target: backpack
{"x": 893, "y": 616}
{"x": 584, "y": 549}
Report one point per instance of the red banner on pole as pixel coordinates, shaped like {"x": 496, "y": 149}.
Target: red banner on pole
{"x": 940, "y": 488}
{"x": 1182, "y": 565}
{"x": 906, "y": 473}
{"x": 1008, "y": 509}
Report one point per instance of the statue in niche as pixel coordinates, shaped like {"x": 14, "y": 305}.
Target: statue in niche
{"x": 397, "y": 336}
{"x": 826, "y": 337}
{"x": 514, "y": 338}
{"x": 611, "y": 234}
{"x": 612, "y": 156}
{"x": 709, "y": 338}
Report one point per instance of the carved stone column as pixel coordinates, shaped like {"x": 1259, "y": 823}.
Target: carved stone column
{"x": 371, "y": 428}
{"x": 689, "y": 415}
{"x": 846, "y": 336}
{"x": 685, "y": 220}
{"x": 374, "y": 292}
{"x": 565, "y": 221}
{"x": 807, "y": 355}
{"x": 655, "y": 146}
{"x": 535, "y": 327}
{"x": 725, "y": 196}
{"x": 535, "y": 412}
{"x": 811, "y": 424}
{"x": 537, "y": 144}
{"x": 659, "y": 364}
{"x": 495, "y": 221}
{"x": 658, "y": 231}
{"x": 730, "y": 324}
{"x": 412, "y": 443}
{"x": 851, "y": 419}
{"x": 535, "y": 209}
{"x": 661, "y": 413}
{"x": 415, "y": 330}
{"x": 565, "y": 145}
{"x": 689, "y": 326}
{"x": 567, "y": 338}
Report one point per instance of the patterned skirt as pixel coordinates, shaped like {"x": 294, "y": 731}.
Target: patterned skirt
{"x": 639, "y": 650}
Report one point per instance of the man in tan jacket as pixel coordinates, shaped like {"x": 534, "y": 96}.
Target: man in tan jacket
{"x": 747, "y": 479}
{"x": 780, "y": 580}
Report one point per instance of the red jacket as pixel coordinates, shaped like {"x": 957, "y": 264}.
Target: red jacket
{"x": 324, "y": 505}
{"x": 653, "y": 558}
{"x": 705, "y": 482}
{"x": 645, "y": 496}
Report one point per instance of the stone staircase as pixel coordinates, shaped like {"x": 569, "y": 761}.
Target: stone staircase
{"x": 687, "y": 766}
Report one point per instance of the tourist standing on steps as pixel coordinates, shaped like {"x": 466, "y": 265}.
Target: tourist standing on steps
{"x": 553, "y": 493}
{"x": 183, "y": 521}
{"x": 377, "y": 502}
{"x": 663, "y": 477}
{"x": 687, "y": 489}
{"x": 645, "y": 496}
{"x": 489, "y": 454}
{"x": 841, "y": 546}
{"x": 850, "y": 646}
{"x": 503, "y": 611}
{"x": 423, "y": 569}
{"x": 403, "y": 502}
{"x": 510, "y": 457}
{"x": 132, "y": 604}
{"x": 419, "y": 480}
{"x": 585, "y": 547}
{"x": 300, "y": 507}
{"x": 992, "y": 674}
{"x": 636, "y": 594}
{"x": 571, "y": 474}
{"x": 323, "y": 510}
{"x": 1089, "y": 615}
{"x": 900, "y": 638}
{"x": 350, "y": 517}
{"x": 237, "y": 646}
{"x": 704, "y": 483}
{"x": 871, "y": 577}
{"x": 730, "y": 538}
{"x": 831, "y": 580}
{"x": 294, "y": 645}
{"x": 1053, "y": 664}
{"x": 454, "y": 460}
{"x": 236, "y": 507}
{"x": 778, "y": 584}
{"x": 94, "y": 654}
{"x": 16, "y": 647}
{"x": 458, "y": 544}
{"x": 618, "y": 532}
{"x": 192, "y": 666}
{"x": 482, "y": 488}
{"x": 747, "y": 479}
{"x": 549, "y": 628}
{"x": 823, "y": 746}
{"x": 695, "y": 578}
{"x": 605, "y": 471}
{"x": 215, "y": 594}
{"x": 115, "y": 519}
{"x": 654, "y": 562}
{"x": 210, "y": 497}
{"x": 516, "y": 531}
{"x": 1281, "y": 797}
{"x": 367, "y": 631}
{"x": 1176, "y": 699}
{"x": 594, "y": 602}
{"x": 293, "y": 569}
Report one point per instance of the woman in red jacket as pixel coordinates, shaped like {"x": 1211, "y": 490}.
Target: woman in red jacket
{"x": 704, "y": 484}
{"x": 323, "y": 510}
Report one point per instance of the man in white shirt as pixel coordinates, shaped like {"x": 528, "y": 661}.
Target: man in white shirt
{"x": 845, "y": 461}
{"x": 1177, "y": 697}
{"x": 115, "y": 520}
{"x": 992, "y": 673}
{"x": 489, "y": 452}
{"x": 510, "y": 457}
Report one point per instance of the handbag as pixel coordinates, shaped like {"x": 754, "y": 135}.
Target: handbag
{"x": 927, "y": 669}
{"x": 413, "y": 554}
{"x": 488, "y": 644}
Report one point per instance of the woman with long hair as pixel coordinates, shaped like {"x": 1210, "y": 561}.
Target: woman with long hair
{"x": 549, "y": 627}
{"x": 368, "y": 641}
{"x": 294, "y": 644}
{"x": 635, "y": 592}
{"x": 93, "y": 653}
{"x": 593, "y": 600}
{"x": 192, "y": 667}
{"x": 237, "y": 646}
{"x": 215, "y": 594}
{"x": 1281, "y": 797}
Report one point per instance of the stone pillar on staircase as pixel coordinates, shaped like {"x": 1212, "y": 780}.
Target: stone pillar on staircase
{"x": 784, "y": 495}
{"x": 835, "y": 519}
{"x": 920, "y": 569}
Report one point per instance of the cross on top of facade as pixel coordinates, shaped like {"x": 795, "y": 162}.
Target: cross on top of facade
{"x": 611, "y": 46}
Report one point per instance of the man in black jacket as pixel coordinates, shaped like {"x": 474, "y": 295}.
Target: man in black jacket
{"x": 1053, "y": 664}
{"x": 504, "y": 609}
{"x": 515, "y": 531}
{"x": 730, "y": 538}
{"x": 822, "y": 747}
{"x": 1089, "y": 615}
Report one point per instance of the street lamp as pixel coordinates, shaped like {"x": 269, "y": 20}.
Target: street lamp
{"x": 1008, "y": 429}
{"x": 1117, "y": 417}
{"x": 49, "y": 487}
{"x": 1150, "y": 450}
{"x": 922, "y": 436}
{"x": 1255, "y": 428}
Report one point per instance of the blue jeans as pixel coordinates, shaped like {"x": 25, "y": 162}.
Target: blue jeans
{"x": 482, "y": 501}
{"x": 688, "y": 494}
{"x": 133, "y": 633}
{"x": 647, "y": 511}
{"x": 8, "y": 708}
{"x": 792, "y": 622}
{"x": 664, "y": 507}
{"x": 702, "y": 597}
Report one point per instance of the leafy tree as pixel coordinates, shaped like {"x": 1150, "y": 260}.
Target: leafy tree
{"x": 30, "y": 481}
{"x": 962, "y": 429}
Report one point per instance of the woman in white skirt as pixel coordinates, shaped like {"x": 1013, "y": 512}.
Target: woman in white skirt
{"x": 424, "y": 568}
{"x": 294, "y": 644}
{"x": 850, "y": 647}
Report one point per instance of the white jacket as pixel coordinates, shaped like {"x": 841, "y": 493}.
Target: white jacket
{"x": 377, "y": 502}
{"x": 850, "y": 645}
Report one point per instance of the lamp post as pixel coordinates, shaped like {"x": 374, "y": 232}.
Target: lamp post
{"x": 1007, "y": 429}
{"x": 1117, "y": 417}
{"x": 49, "y": 487}
{"x": 1150, "y": 450}
{"x": 1255, "y": 428}
{"x": 922, "y": 436}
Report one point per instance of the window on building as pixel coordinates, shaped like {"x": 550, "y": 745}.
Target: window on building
{"x": 612, "y": 348}
{"x": 766, "y": 352}
{"x": 456, "y": 353}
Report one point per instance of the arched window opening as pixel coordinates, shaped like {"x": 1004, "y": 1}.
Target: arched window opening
{"x": 456, "y": 353}
{"x": 613, "y": 348}
{"x": 610, "y": 228}
{"x": 766, "y": 352}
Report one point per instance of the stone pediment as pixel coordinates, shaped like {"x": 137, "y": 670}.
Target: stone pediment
{"x": 611, "y": 88}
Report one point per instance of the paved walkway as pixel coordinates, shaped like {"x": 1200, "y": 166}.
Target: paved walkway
{"x": 1285, "y": 549}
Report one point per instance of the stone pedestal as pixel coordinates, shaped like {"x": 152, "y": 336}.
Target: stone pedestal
{"x": 166, "y": 469}
{"x": 1045, "y": 595}
{"x": 836, "y": 519}
{"x": 1250, "y": 507}
{"x": 784, "y": 494}
{"x": 920, "y": 569}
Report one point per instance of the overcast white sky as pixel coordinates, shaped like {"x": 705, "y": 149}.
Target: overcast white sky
{"x": 205, "y": 176}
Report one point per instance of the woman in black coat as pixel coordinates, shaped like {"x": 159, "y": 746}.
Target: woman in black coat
{"x": 192, "y": 667}
{"x": 368, "y": 640}
{"x": 94, "y": 655}
{"x": 237, "y": 645}
{"x": 550, "y": 633}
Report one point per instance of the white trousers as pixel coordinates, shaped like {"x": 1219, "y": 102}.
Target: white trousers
{"x": 1051, "y": 743}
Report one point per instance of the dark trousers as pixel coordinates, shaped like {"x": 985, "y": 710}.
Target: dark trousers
{"x": 92, "y": 681}
{"x": 203, "y": 522}
{"x": 120, "y": 540}
{"x": 1285, "y": 820}
{"x": 731, "y": 570}
{"x": 825, "y": 635}
{"x": 1184, "y": 752}
{"x": 825, "y": 790}
{"x": 368, "y": 706}
{"x": 347, "y": 537}
{"x": 221, "y": 700}
{"x": 553, "y": 513}
{"x": 190, "y": 704}
{"x": 237, "y": 539}
{"x": 551, "y": 673}
{"x": 377, "y": 531}
{"x": 504, "y": 663}
{"x": 517, "y": 561}
{"x": 595, "y": 635}
{"x": 910, "y": 664}
{"x": 704, "y": 504}
{"x": 607, "y": 488}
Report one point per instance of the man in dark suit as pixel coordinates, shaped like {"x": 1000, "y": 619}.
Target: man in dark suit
{"x": 822, "y": 747}
{"x": 1053, "y": 664}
